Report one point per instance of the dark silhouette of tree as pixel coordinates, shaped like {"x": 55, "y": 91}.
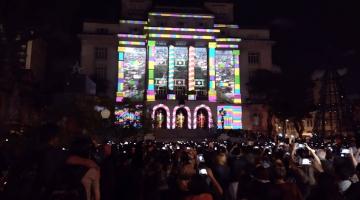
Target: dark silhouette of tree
{"x": 287, "y": 95}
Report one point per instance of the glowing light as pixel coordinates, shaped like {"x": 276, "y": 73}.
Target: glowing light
{"x": 226, "y": 26}
{"x": 228, "y": 40}
{"x": 131, "y": 43}
{"x": 171, "y": 97}
{"x": 212, "y": 91}
{"x": 183, "y": 29}
{"x": 167, "y": 113}
{"x": 151, "y": 64}
{"x": 188, "y": 115}
{"x": 237, "y": 93}
{"x": 171, "y": 66}
{"x": 120, "y": 86}
{"x": 180, "y": 15}
{"x": 132, "y": 22}
{"x": 191, "y": 97}
{"x": 229, "y": 117}
{"x": 131, "y": 36}
{"x": 191, "y": 68}
{"x": 227, "y": 46}
{"x": 177, "y": 36}
{"x": 210, "y": 120}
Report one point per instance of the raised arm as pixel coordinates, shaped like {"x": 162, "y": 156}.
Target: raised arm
{"x": 77, "y": 160}
{"x": 213, "y": 180}
{"x": 317, "y": 162}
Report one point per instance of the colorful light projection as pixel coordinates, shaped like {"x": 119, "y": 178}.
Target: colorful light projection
{"x": 201, "y": 68}
{"x": 132, "y": 43}
{"x": 171, "y": 66}
{"x": 132, "y": 22}
{"x": 201, "y": 30}
{"x": 229, "y": 117}
{"x": 180, "y": 15}
{"x": 210, "y": 120}
{"x": 134, "y": 73}
{"x": 129, "y": 117}
{"x": 181, "y": 55}
{"x": 192, "y": 97}
{"x": 177, "y": 120}
{"x": 237, "y": 93}
{"x": 131, "y": 36}
{"x": 161, "y": 67}
{"x": 171, "y": 97}
{"x": 177, "y": 36}
{"x": 191, "y": 68}
{"x": 226, "y": 26}
{"x": 120, "y": 85}
{"x": 151, "y": 67}
{"x": 225, "y": 74}
{"x": 228, "y": 40}
{"x": 212, "y": 90}
{"x": 228, "y": 46}
{"x": 158, "y": 117}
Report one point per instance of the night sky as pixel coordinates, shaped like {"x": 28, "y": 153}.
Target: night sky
{"x": 309, "y": 34}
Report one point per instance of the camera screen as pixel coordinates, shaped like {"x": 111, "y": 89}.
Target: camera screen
{"x": 305, "y": 161}
{"x": 202, "y": 171}
{"x": 201, "y": 158}
{"x": 345, "y": 151}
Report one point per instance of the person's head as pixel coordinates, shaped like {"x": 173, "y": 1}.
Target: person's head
{"x": 48, "y": 134}
{"x": 261, "y": 173}
{"x": 221, "y": 159}
{"x": 81, "y": 146}
{"x": 279, "y": 170}
{"x": 344, "y": 168}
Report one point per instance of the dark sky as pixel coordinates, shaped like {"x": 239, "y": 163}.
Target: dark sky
{"x": 309, "y": 34}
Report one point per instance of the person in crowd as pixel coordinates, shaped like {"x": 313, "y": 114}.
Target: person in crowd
{"x": 283, "y": 190}
{"x": 222, "y": 172}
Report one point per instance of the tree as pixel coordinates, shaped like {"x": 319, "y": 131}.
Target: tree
{"x": 287, "y": 96}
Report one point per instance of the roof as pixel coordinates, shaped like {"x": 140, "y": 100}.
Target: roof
{"x": 180, "y": 9}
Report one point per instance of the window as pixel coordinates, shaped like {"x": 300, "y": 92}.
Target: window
{"x": 135, "y": 31}
{"x": 102, "y": 30}
{"x": 181, "y": 24}
{"x": 161, "y": 90}
{"x": 254, "y": 58}
{"x": 179, "y": 90}
{"x": 100, "y": 71}
{"x": 100, "y": 53}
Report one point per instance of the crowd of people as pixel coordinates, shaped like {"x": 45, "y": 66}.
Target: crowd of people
{"x": 185, "y": 170}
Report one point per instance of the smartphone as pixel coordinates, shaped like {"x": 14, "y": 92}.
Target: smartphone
{"x": 201, "y": 158}
{"x": 305, "y": 161}
{"x": 300, "y": 146}
{"x": 202, "y": 171}
{"x": 345, "y": 151}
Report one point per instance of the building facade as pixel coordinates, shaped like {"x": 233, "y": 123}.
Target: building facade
{"x": 185, "y": 70}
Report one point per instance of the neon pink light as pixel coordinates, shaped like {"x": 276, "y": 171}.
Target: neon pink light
{"x": 167, "y": 113}
{"x": 209, "y": 115}
{"x": 191, "y": 68}
{"x": 188, "y": 113}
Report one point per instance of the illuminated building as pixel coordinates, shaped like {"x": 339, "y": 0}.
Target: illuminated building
{"x": 200, "y": 59}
